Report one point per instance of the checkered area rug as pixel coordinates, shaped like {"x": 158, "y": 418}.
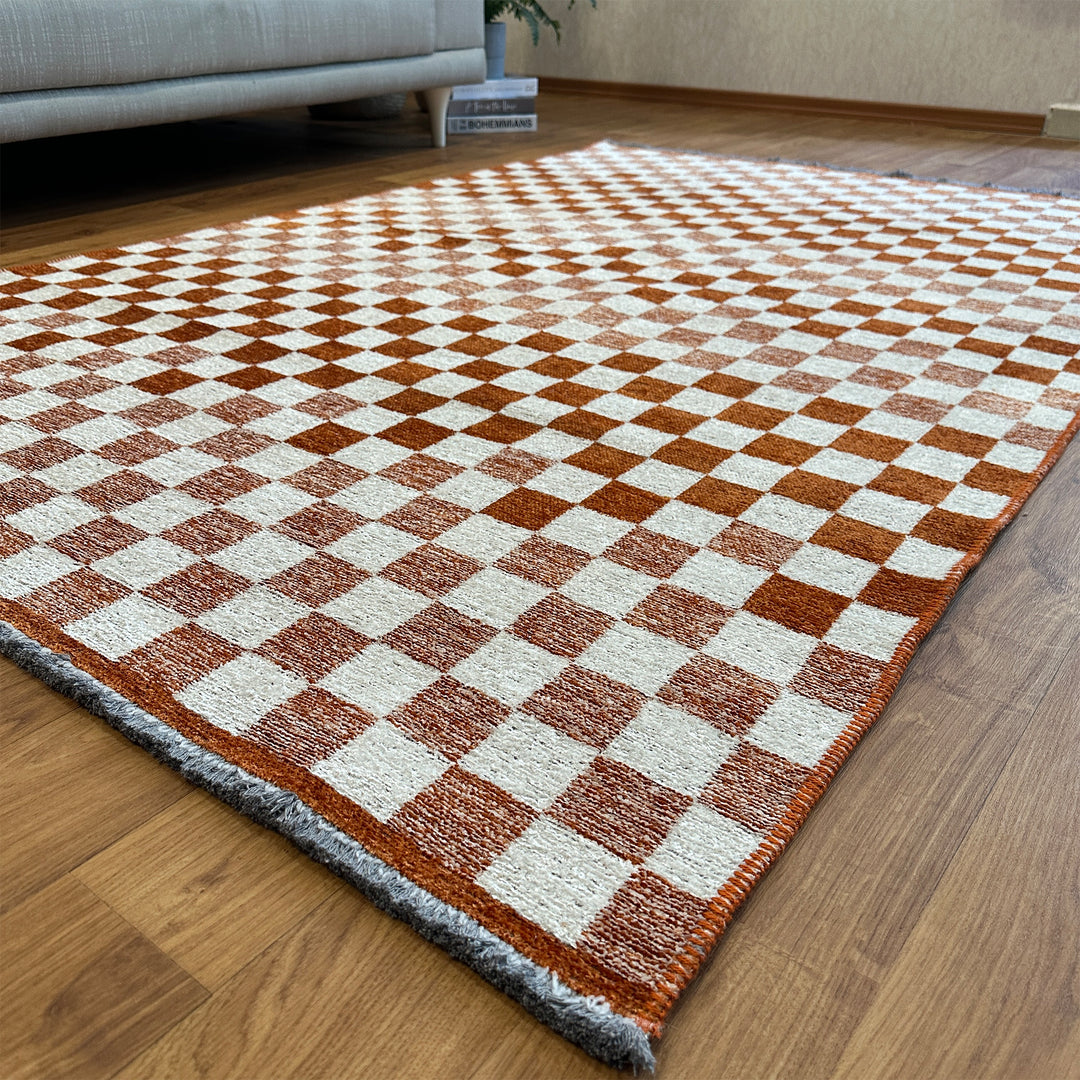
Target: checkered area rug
{"x": 552, "y": 531}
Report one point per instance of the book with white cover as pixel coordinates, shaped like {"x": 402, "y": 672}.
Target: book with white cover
{"x": 522, "y": 86}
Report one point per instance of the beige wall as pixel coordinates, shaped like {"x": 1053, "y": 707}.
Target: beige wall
{"x": 1011, "y": 55}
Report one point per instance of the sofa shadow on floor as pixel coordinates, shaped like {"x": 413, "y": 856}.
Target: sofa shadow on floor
{"x": 75, "y": 174}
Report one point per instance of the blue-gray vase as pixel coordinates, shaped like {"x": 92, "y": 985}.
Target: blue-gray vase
{"x": 495, "y": 49}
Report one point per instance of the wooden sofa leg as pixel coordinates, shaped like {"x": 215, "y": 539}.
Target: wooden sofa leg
{"x": 438, "y": 98}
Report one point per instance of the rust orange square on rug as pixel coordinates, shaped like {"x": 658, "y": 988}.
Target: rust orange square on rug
{"x": 532, "y": 546}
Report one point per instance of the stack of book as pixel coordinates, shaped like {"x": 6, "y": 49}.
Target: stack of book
{"x": 496, "y": 105}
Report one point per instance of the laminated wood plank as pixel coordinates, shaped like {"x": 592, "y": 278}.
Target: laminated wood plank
{"x": 84, "y": 993}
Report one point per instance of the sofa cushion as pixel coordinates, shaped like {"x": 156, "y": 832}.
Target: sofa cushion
{"x": 459, "y": 24}
{"x": 62, "y": 43}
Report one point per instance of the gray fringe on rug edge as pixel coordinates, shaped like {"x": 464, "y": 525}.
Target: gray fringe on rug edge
{"x": 894, "y": 174}
{"x": 588, "y": 1022}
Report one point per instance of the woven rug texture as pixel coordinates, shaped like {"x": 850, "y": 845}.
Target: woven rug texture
{"x": 532, "y": 546}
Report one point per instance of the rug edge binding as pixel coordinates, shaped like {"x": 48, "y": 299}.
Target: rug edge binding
{"x": 588, "y": 1022}
{"x": 754, "y": 868}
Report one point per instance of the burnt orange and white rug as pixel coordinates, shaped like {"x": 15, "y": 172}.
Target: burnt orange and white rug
{"x": 532, "y": 546}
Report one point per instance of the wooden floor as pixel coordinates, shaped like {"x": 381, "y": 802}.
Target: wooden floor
{"x": 924, "y": 924}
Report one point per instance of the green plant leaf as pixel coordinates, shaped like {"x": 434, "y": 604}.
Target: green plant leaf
{"x": 528, "y": 11}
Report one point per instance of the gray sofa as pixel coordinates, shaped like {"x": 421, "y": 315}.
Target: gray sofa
{"x": 69, "y": 66}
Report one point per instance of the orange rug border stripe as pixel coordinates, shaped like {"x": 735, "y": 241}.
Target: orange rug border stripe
{"x": 726, "y": 906}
